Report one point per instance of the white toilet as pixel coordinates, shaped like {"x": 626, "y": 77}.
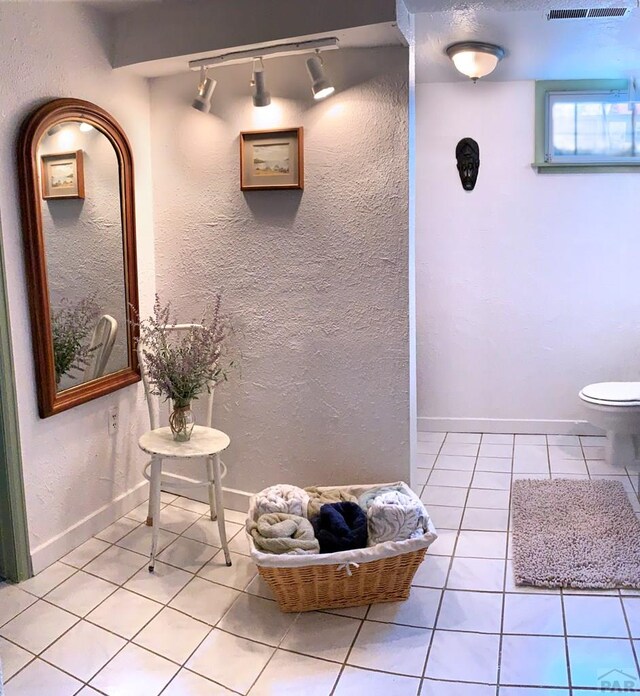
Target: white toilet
{"x": 615, "y": 407}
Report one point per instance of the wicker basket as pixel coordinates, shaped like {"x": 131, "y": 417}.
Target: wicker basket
{"x": 347, "y": 582}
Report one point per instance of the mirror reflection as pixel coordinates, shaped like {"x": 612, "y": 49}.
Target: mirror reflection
{"x": 84, "y": 253}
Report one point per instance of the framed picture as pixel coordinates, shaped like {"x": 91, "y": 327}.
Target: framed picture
{"x": 62, "y": 175}
{"x": 271, "y": 159}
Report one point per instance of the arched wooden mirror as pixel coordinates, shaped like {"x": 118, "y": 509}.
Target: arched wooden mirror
{"x": 78, "y": 215}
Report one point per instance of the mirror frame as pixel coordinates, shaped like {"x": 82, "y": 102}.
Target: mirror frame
{"x": 33, "y": 129}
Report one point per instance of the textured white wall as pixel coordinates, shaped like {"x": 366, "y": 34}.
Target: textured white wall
{"x": 527, "y": 287}
{"x": 316, "y": 281}
{"x": 71, "y": 467}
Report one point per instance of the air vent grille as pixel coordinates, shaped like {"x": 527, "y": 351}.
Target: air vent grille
{"x": 593, "y": 13}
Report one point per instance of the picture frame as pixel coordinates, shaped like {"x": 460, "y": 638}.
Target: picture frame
{"x": 272, "y": 159}
{"x": 62, "y": 175}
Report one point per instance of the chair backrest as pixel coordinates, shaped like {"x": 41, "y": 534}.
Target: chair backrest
{"x": 154, "y": 401}
{"x": 102, "y": 340}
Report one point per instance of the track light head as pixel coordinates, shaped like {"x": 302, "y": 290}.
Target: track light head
{"x": 320, "y": 85}
{"x": 202, "y": 102}
{"x": 261, "y": 97}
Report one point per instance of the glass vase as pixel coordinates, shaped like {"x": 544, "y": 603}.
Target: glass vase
{"x": 181, "y": 421}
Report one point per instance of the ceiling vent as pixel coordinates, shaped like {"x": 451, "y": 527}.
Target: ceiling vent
{"x": 594, "y": 13}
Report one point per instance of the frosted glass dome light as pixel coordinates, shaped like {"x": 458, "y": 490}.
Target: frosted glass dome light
{"x": 475, "y": 59}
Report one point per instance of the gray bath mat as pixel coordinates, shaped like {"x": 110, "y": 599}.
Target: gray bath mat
{"x": 574, "y": 533}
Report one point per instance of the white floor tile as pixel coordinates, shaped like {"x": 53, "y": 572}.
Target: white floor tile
{"x": 482, "y": 498}
{"x": 443, "y": 545}
{"x": 568, "y": 466}
{"x": 463, "y": 657}
{"x": 187, "y": 554}
{"x": 431, "y": 448}
{"x": 124, "y": 613}
{"x": 531, "y": 439}
{"x": 237, "y": 516}
{"x": 238, "y": 575}
{"x": 162, "y": 585}
{"x": 229, "y": 660}
{"x": 464, "y": 438}
{"x": 476, "y": 574}
{"x": 497, "y": 438}
{"x": 431, "y": 687}
{"x": 257, "y": 619}
{"x": 533, "y": 614}
{"x": 135, "y": 671}
{"x": 176, "y": 519}
{"x": 260, "y": 588}
{"x": 173, "y": 635}
{"x": 38, "y": 678}
{"x": 611, "y": 653}
{"x": 563, "y": 440}
{"x": 139, "y": 540}
{"x": 288, "y": 674}
{"x": 594, "y": 452}
{"x": 81, "y": 593}
{"x": 459, "y": 449}
{"x": 494, "y": 464}
{"x": 495, "y": 481}
{"x": 205, "y": 600}
{"x": 240, "y": 543}
{"x": 526, "y": 465}
{"x": 38, "y": 626}
{"x": 192, "y": 505}
{"x": 418, "y": 610}
{"x": 480, "y": 612}
{"x": 444, "y": 477}
{"x": 13, "y": 600}
{"x": 117, "y": 565}
{"x": 488, "y": 449}
{"x": 451, "y": 462}
{"x": 139, "y": 514}
{"x": 444, "y": 495}
{"x": 594, "y": 616}
{"x": 559, "y": 452}
{"x": 425, "y": 461}
{"x": 421, "y": 476}
{"x": 485, "y": 519}
{"x": 481, "y": 544}
{"x": 13, "y": 658}
{"x": 351, "y": 612}
{"x": 429, "y": 436}
{"x": 187, "y": 683}
{"x": 206, "y": 531}
{"x": 445, "y": 517}
{"x": 533, "y": 661}
{"x": 361, "y": 682}
{"x": 117, "y": 530}
{"x": 372, "y": 648}
{"x": 84, "y": 650}
{"x": 46, "y": 580}
{"x": 84, "y": 553}
{"x": 533, "y": 691}
{"x": 321, "y": 635}
{"x": 632, "y": 610}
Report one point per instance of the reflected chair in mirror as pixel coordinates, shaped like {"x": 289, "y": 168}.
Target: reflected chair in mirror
{"x": 205, "y": 443}
{"x": 102, "y": 340}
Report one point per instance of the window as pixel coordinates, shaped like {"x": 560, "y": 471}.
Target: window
{"x": 586, "y": 123}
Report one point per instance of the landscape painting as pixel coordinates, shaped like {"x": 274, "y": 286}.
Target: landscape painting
{"x": 271, "y": 159}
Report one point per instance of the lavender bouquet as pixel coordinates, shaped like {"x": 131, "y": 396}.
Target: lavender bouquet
{"x": 181, "y": 365}
{"x": 71, "y": 325}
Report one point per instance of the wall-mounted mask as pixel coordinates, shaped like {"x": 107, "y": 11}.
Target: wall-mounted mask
{"x": 468, "y": 157}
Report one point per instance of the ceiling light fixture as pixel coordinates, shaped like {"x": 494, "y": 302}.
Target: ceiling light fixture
{"x": 475, "y": 59}
{"x": 202, "y": 102}
{"x": 260, "y": 95}
{"x": 320, "y": 85}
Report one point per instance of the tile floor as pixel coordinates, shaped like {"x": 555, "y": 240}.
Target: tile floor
{"x": 97, "y": 622}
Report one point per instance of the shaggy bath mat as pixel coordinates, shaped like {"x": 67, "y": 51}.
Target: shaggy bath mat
{"x": 574, "y": 533}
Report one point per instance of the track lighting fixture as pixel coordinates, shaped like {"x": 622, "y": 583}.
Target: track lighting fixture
{"x": 202, "y": 102}
{"x": 260, "y": 95}
{"x": 475, "y": 59}
{"x": 320, "y": 85}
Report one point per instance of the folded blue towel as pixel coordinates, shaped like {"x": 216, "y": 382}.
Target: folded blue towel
{"x": 341, "y": 527}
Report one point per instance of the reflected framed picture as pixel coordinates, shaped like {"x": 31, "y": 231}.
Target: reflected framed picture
{"x": 272, "y": 159}
{"x": 62, "y": 175}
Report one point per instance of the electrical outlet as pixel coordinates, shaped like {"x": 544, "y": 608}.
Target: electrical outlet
{"x": 112, "y": 422}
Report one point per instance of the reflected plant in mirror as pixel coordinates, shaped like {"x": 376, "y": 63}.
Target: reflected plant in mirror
{"x": 182, "y": 361}
{"x": 71, "y": 326}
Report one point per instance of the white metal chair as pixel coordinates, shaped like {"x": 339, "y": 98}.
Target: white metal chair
{"x": 102, "y": 340}
{"x": 205, "y": 442}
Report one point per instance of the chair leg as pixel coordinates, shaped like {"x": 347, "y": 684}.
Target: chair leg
{"x": 213, "y": 464}
{"x": 154, "y": 505}
{"x": 211, "y": 487}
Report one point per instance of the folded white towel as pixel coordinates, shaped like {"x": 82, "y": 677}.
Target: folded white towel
{"x": 282, "y": 498}
{"x": 396, "y": 516}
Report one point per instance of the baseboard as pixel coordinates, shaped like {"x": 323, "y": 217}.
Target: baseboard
{"x": 504, "y": 425}
{"x": 233, "y": 498}
{"x": 54, "y": 549}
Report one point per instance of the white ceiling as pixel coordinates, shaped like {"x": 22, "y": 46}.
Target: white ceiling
{"x": 537, "y": 48}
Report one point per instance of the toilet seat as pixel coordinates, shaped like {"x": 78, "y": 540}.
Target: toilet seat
{"x": 618, "y": 394}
